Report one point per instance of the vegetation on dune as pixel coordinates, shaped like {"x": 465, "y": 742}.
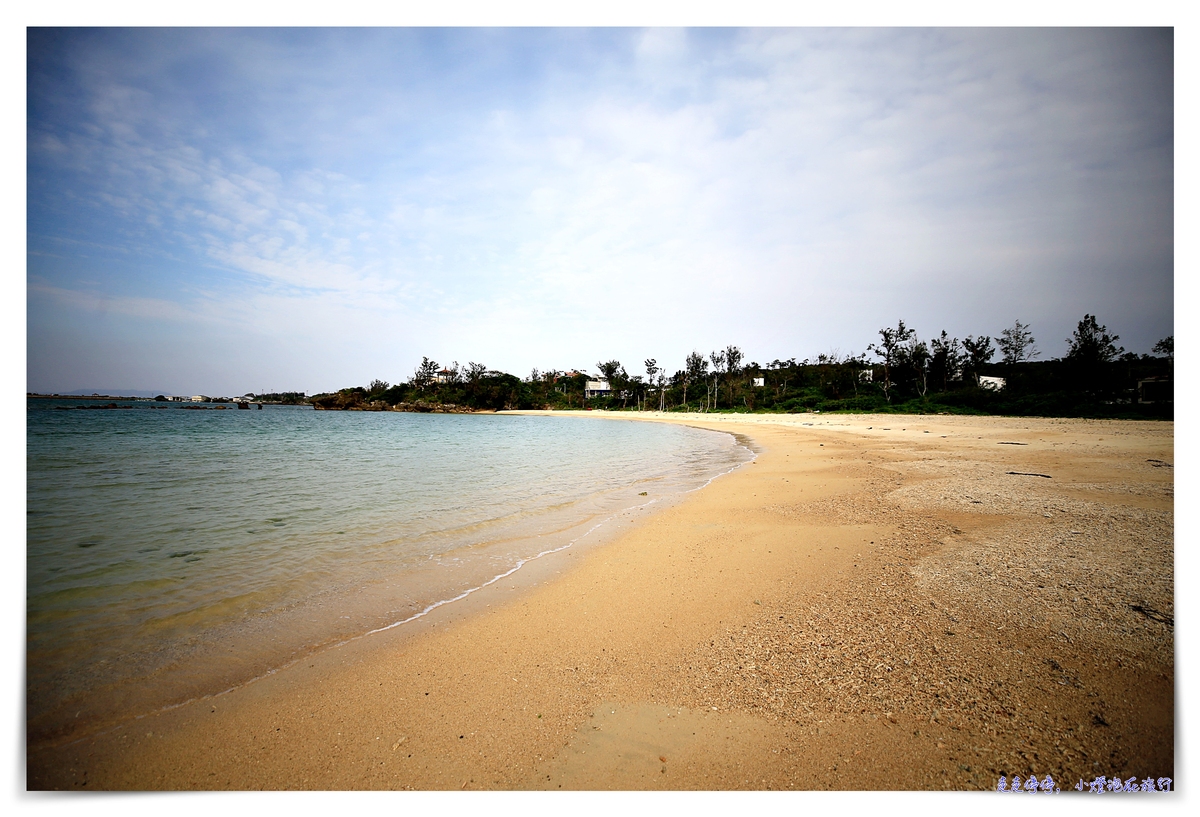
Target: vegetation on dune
{"x": 287, "y": 398}
{"x": 899, "y": 373}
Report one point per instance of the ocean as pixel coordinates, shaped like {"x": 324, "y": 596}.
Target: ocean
{"x": 175, "y": 552}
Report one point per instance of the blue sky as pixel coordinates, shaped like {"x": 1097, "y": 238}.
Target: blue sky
{"x": 227, "y": 210}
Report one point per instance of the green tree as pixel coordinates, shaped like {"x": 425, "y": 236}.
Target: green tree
{"x": 622, "y": 383}
{"x": 918, "y": 357}
{"x": 979, "y": 351}
{"x": 609, "y": 370}
{"x": 890, "y": 350}
{"x": 1166, "y": 348}
{"x": 694, "y": 370}
{"x": 1091, "y": 345}
{"x": 424, "y": 374}
{"x": 945, "y": 360}
{"x": 1017, "y": 344}
{"x": 733, "y": 361}
{"x": 472, "y": 375}
{"x": 718, "y": 363}
{"x": 782, "y": 369}
{"x": 618, "y": 380}
{"x": 651, "y": 370}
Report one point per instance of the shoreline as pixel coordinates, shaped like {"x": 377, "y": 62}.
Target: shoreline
{"x": 232, "y": 654}
{"x": 692, "y": 631}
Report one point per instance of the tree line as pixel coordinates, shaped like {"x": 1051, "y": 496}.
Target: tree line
{"x": 899, "y": 372}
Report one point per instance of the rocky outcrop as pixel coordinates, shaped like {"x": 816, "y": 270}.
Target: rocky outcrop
{"x": 357, "y": 401}
{"x": 434, "y": 408}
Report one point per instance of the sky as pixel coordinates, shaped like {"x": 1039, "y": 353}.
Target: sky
{"x": 223, "y": 211}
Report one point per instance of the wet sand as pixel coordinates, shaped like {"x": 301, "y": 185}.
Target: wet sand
{"x": 877, "y": 602}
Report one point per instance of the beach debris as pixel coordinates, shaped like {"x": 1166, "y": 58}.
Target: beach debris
{"x": 1028, "y": 474}
{"x": 643, "y": 493}
{"x": 397, "y": 744}
{"x": 1151, "y": 613}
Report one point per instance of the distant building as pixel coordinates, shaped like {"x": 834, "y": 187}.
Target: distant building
{"x": 992, "y": 383}
{"x": 1156, "y": 390}
{"x": 866, "y": 375}
{"x": 444, "y": 376}
{"x": 759, "y": 381}
{"x": 596, "y": 388}
{"x": 200, "y": 398}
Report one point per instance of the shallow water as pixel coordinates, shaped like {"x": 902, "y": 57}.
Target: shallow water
{"x": 174, "y": 553}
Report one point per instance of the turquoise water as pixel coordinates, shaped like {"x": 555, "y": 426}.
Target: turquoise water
{"x": 173, "y": 553}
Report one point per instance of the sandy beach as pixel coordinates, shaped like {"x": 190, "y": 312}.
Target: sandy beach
{"x": 876, "y": 602}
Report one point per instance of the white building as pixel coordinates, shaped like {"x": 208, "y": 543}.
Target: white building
{"x": 596, "y": 388}
{"x": 992, "y": 383}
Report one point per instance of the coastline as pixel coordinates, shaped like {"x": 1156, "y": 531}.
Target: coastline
{"x": 754, "y": 635}
{"x": 299, "y": 589}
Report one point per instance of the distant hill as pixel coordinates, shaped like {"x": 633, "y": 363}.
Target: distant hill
{"x": 112, "y": 393}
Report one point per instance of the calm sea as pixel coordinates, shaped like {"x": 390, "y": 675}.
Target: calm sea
{"x": 174, "y": 552}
